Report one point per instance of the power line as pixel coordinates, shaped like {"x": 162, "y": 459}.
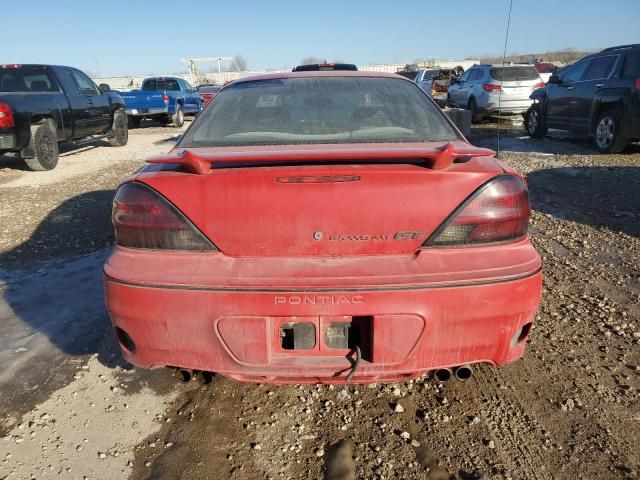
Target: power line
{"x": 504, "y": 58}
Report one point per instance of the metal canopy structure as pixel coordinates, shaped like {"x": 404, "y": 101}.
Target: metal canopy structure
{"x": 194, "y": 74}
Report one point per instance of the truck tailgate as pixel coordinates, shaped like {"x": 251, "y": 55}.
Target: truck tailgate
{"x": 143, "y": 101}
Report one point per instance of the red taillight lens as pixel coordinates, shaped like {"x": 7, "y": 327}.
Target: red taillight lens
{"x": 497, "y": 211}
{"x": 165, "y": 98}
{"x": 142, "y": 218}
{"x": 491, "y": 87}
{"x": 538, "y": 85}
{"x": 6, "y": 116}
{"x": 638, "y": 83}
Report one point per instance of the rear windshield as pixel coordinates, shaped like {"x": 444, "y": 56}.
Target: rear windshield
{"x": 632, "y": 65}
{"x": 26, "y": 79}
{"x": 319, "y": 110}
{"x": 514, "y": 74}
{"x": 160, "y": 84}
{"x": 410, "y": 75}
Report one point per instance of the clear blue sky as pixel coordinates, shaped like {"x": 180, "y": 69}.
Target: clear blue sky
{"x": 137, "y": 37}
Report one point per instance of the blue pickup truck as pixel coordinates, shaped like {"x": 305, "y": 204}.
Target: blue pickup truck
{"x": 163, "y": 99}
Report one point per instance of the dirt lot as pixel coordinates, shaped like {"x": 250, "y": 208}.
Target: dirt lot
{"x": 71, "y": 408}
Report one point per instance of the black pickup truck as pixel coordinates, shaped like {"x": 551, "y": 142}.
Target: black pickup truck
{"x": 43, "y": 105}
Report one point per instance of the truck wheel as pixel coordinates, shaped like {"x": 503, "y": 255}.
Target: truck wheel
{"x": 607, "y": 138}
{"x": 534, "y": 123}
{"x": 45, "y": 148}
{"x": 178, "y": 118}
{"x": 133, "y": 122}
{"x": 120, "y": 129}
{"x": 476, "y": 117}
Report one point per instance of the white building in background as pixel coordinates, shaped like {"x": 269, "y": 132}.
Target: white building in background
{"x": 125, "y": 82}
{"x": 394, "y": 67}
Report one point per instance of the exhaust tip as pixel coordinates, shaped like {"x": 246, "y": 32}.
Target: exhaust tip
{"x": 125, "y": 339}
{"x": 464, "y": 373}
{"x": 183, "y": 375}
{"x": 204, "y": 378}
{"x": 443, "y": 374}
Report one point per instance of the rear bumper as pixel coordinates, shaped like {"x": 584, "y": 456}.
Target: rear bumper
{"x": 492, "y": 103}
{"x": 404, "y": 330}
{"x": 631, "y": 122}
{"x": 144, "y": 112}
{"x": 7, "y": 141}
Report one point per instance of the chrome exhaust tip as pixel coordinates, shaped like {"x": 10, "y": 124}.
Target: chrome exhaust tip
{"x": 183, "y": 375}
{"x": 463, "y": 373}
{"x": 443, "y": 374}
{"x": 203, "y": 377}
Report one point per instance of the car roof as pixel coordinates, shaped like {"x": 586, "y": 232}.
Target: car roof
{"x": 508, "y": 65}
{"x": 11, "y": 64}
{"x": 607, "y": 51}
{"x": 330, "y": 73}
{"x": 314, "y": 67}
{"x": 621, "y": 47}
{"x": 164, "y": 77}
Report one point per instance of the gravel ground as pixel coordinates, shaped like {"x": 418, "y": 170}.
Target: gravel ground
{"x": 569, "y": 409}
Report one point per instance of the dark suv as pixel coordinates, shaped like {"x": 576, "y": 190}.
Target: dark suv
{"x": 599, "y": 95}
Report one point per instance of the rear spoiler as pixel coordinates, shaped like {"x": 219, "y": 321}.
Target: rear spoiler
{"x": 437, "y": 158}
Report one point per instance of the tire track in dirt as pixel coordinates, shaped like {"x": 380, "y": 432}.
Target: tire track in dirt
{"x": 222, "y": 430}
{"x": 511, "y": 424}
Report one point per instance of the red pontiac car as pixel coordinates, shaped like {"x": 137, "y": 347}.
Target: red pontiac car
{"x": 323, "y": 227}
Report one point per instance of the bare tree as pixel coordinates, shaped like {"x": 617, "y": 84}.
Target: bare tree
{"x": 565, "y": 56}
{"x": 239, "y": 64}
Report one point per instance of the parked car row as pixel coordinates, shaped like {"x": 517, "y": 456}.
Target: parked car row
{"x": 434, "y": 81}
{"x": 492, "y": 89}
{"x": 43, "y": 105}
{"x": 483, "y": 89}
{"x": 598, "y": 95}
{"x": 164, "y": 99}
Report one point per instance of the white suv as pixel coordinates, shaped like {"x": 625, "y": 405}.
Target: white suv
{"x": 492, "y": 89}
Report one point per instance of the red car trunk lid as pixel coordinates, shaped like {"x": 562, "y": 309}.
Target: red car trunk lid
{"x": 312, "y": 208}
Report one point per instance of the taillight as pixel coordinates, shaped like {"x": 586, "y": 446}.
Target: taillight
{"x": 497, "y": 211}
{"x": 6, "y": 116}
{"x": 638, "y": 83}
{"x": 142, "y": 218}
{"x": 538, "y": 85}
{"x": 491, "y": 87}
{"x": 165, "y": 98}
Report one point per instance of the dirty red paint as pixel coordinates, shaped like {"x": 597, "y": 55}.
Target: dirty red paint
{"x": 312, "y": 242}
